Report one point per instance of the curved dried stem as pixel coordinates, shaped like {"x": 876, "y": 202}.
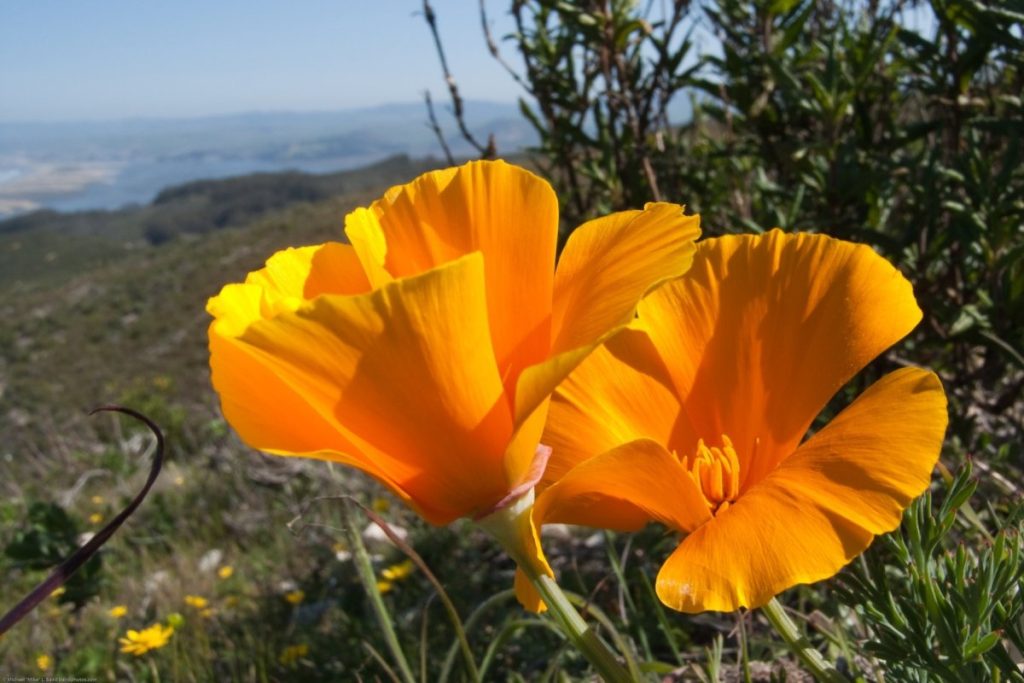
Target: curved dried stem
{"x": 65, "y": 569}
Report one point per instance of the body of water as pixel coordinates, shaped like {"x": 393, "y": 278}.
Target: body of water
{"x": 67, "y": 188}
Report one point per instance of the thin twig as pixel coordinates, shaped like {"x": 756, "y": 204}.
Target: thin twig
{"x": 487, "y": 151}
{"x": 437, "y": 129}
{"x": 492, "y": 47}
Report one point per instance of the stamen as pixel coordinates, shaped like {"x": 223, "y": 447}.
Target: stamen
{"x": 716, "y": 471}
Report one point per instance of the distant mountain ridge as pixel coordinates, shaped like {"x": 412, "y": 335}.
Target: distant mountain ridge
{"x": 85, "y": 165}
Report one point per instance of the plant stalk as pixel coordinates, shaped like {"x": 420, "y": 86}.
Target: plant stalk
{"x": 510, "y": 525}
{"x": 799, "y": 645}
{"x": 584, "y": 638}
{"x": 364, "y": 568}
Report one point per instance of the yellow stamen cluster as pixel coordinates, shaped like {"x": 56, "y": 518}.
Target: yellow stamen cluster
{"x": 716, "y": 470}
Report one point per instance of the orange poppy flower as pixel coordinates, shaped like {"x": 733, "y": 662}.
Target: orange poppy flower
{"x": 425, "y": 351}
{"x": 694, "y": 416}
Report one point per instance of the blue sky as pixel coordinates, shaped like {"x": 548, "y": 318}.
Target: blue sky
{"x": 108, "y": 59}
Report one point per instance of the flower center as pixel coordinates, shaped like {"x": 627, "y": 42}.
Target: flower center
{"x": 716, "y": 470}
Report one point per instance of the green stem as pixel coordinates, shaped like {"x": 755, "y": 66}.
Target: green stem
{"x": 364, "y": 568}
{"x": 584, "y": 638}
{"x": 511, "y": 525}
{"x": 799, "y": 645}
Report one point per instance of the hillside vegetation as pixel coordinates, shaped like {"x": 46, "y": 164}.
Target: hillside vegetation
{"x": 93, "y": 302}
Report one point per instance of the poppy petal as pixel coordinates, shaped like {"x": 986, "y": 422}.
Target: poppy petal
{"x": 607, "y": 265}
{"x": 505, "y": 212}
{"x": 250, "y": 391}
{"x": 307, "y": 272}
{"x": 821, "y": 507}
{"x": 272, "y": 415}
{"x": 764, "y": 330}
{"x": 619, "y": 393}
{"x": 623, "y": 489}
{"x": 289, "y": 277}
{"x": 367, "y": 239}
{"x": 525, "y": 462}
{"x": 408, "y": 370}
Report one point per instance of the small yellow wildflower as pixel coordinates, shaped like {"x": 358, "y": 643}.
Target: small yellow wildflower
{"x": 95, "y": 518}
{"x": 98, "y": 500}
{"x": 207, "y": 613}
{"x": 118, "y": 611}
{"x": 398, "y": 572}
{"x": 44, "y": 662}
{"x": 139, "y": 643}
{"x": 384, "y": 586}
{"x": 58, "y": 591}
{"x": 196, "y": 601}
{"x": 290, "y": 654}
{"x": 380, "y": 505}
{"x": 295, "y": 597}
{"x": 226, "y": 571}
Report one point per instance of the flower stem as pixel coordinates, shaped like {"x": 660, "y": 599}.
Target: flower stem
{"x": 799, "y": 645}
{"x": 364, "y": 568}
{"x": 576, "y": 630}
{"x": 511, "y": 527}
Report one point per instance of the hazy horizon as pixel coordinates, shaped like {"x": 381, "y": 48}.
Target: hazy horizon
{"x": 442, "y": 104}
{"x": 69, "y": 166}
{"x": 121, "y": 60}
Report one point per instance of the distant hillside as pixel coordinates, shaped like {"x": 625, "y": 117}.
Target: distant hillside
{"x": 109, "y": 164}
{"x": 45, "y": 248}
{"x": 95, "y": 312}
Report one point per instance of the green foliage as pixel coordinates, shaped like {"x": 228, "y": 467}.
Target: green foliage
{"x": 602, "y": 78}
{"x": 44, "y": 540}
{"x": 936, "y": 608}
{"x": 889, "y": 123}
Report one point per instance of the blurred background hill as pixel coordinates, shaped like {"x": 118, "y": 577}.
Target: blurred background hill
{"x": 95, "y": 300}
{"x": 72, "y": 166}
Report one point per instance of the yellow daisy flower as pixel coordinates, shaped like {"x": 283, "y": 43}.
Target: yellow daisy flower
{"x": 398, "y": 572}
{"x": 139, "y": 643}
{"x": 196, "y": 601}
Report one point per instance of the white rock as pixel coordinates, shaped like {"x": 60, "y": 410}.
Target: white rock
{"x": 156, "y": 580}
{"x": 560, "y": 531}
{"x": 210, "y": 560}
{"x": 373, "y": 535}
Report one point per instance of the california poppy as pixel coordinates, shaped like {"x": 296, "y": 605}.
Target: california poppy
{"x": 694, "y": 416}
{"x": 425, "y": 351}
